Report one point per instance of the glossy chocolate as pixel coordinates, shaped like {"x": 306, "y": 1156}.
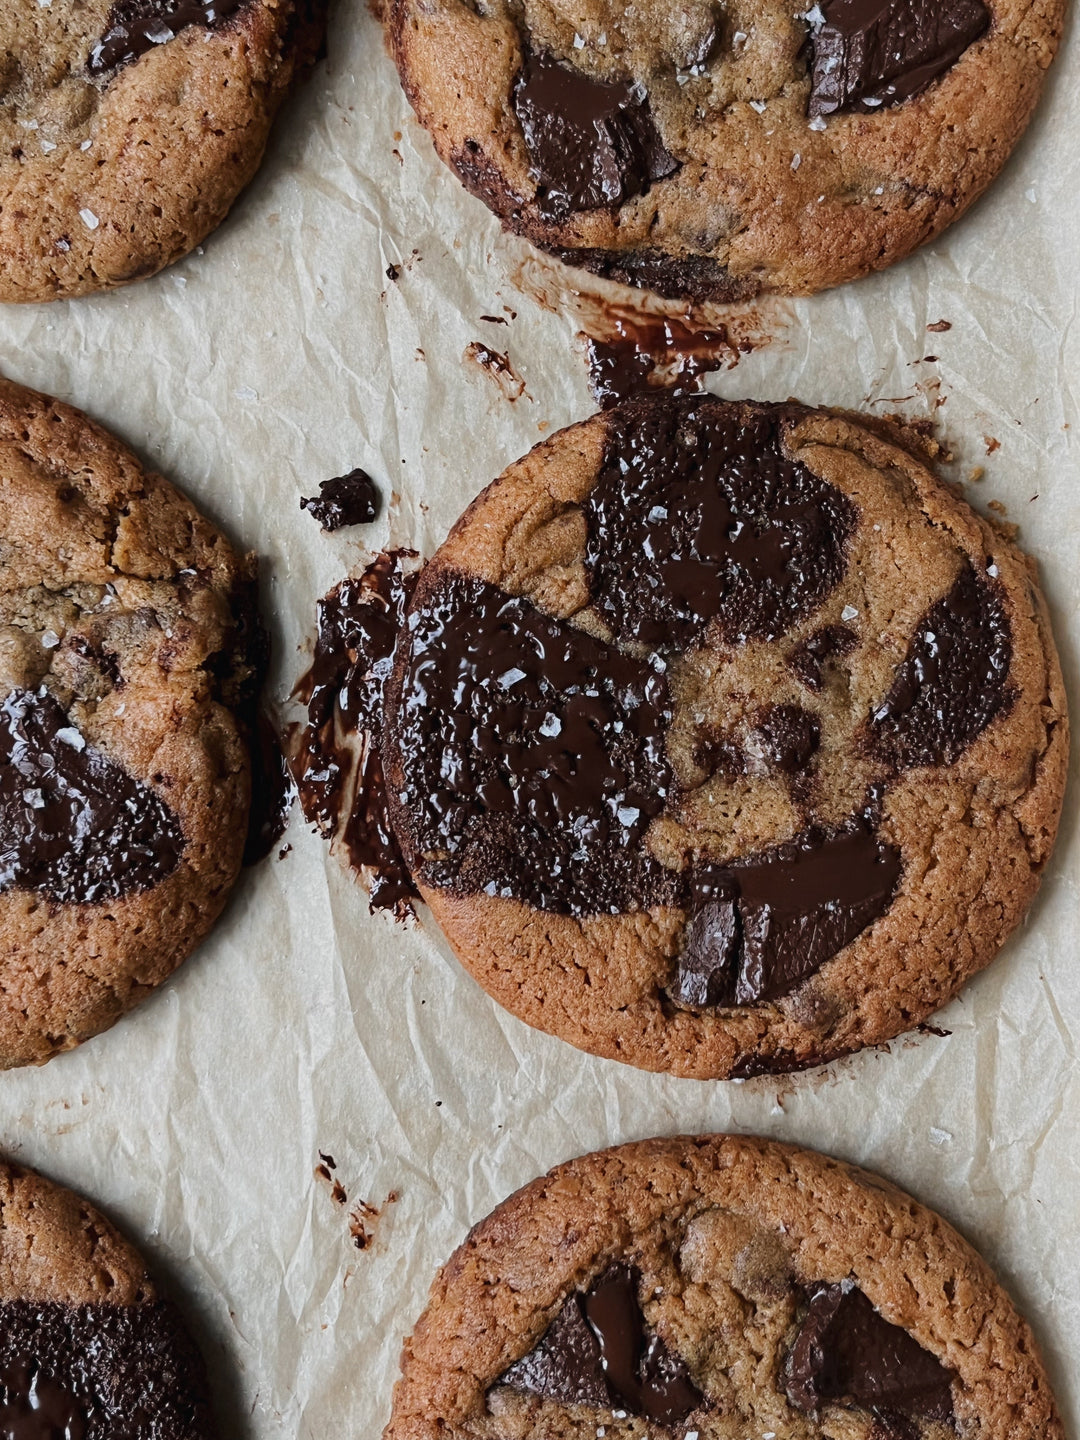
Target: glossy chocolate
{"x": 346, "y": 500}
{"x": 871, "y": 53}
{"x": 136, "y": 26}
{"x": 336, "y": 758}
{"x": 846, "y": 1351}
{"x": 74, "y": 825}
{"x": 598, "y": 1351}
{"x": 953, "y": 682}
{"x": 810, "y": 657}
{"x": 646, "y": 353}
{"x": 99, "y": 1372}
{"x": 697, "y": 517}
{"x": 532, "y": 754}
{"x": 590, "y": 143}
{"x": 272, "y": 791}
{"x": 759, "y": 926}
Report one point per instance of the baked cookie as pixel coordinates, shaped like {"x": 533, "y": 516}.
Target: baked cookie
{"x": 88, "y": 1350}
{"x": 127, "y": 632}
{"x": 712, "y": 151}
{"x": 718, "y": 1287}
{"x": 724, "y": 738}
{"x": 128, "y": 128}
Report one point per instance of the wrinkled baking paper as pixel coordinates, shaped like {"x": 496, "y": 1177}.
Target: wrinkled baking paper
{"x": 284, "y": 355}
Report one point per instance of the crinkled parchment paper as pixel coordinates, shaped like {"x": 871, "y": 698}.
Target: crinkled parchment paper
{"x": 284, "y": 355}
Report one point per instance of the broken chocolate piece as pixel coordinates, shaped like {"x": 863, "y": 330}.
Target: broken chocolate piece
{"x": 846, "y": 1351}
{"x": 532, "y": 754}
{"x": 346, "y": 500}
{"x": 953, "y": 681}
{"x": 136, "y": 26}
{"x": 871, "y": 53}
{"x": 597, "y": 1352}
{"x": 760, "y": 926}
{"x": 74, "y": 825}
{"x": 698, "y": 517}
{"x": 591, "y": 143}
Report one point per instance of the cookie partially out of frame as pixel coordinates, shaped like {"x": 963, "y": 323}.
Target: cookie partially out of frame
{"x": 718, "y": 1287}
{"x": 88, "y": 1349}
{"x": 712, "y": 152}
{"x": 126, "y": 644}
{"x": 725, "y": 738}
{"x": 128, "y": 128}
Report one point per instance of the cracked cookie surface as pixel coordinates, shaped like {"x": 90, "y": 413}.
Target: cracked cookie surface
{"x": 725, "y": 738}
{"x": 718, "y": 1287}
{"x": 127, "y": 644}
{"x": 88, "y": 1348}
{"x": 714, "y": 151}
{"x": 124, "y": 140}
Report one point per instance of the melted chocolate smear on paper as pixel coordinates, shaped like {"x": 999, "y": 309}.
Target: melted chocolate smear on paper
{"x": 846, "y": 1351}
{"x": 874, "y": 53}
{"x": 99, "y": 1372}
{"x": 272, "y": 791}
{"x": 698, "y": 518}
{"x": 336, "y": 757}
{"x": 532, "y": 755}
{"x": 953, "y": 682}
{"x": 74, "y": 825}
{"x": 346, "y": 500}
{"x": 644, "y": 353}
{"x": 757, "y": 928}
{"x": 136, "y": 26}
{"x": 591, "y": 144}
{"x": 598, "y": 1351}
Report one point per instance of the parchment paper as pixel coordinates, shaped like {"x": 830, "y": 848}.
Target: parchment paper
{"x": 283, "y": 355}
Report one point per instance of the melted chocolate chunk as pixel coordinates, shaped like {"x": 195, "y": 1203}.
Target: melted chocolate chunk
{"x": 336, "y": 759}
{"x": 649, "y": 353}
{"x": 809, "y": 658}
{"x": 598, "y": 1352}
{"x": 788, "y": 736}
{"x": 99, "y": 1372}
{"x": 272, "y": 791}
{"x": 759, "y": 926}
{"x": 871, "y": 53}
{"x": 591, "y": 143}
{"x": 74, "y": 825}
{"x": 697, "y": 516}
{"x": 136, "y": 26}
{"x": 846, "y": 1351}
{"x": 346, "y": 500}
{"x": 533, "y": 754}
{"x": 953, "y": 681}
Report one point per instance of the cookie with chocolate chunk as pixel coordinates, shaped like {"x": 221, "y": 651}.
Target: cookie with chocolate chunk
{"x": 129, "y": 127}
{"x": 718, "y": 1286}
{"x": 88, "y": 1349}
{"x": 128, "y": 640}
{"x": 713, "y": 152}
{"x": 725, "y": 738}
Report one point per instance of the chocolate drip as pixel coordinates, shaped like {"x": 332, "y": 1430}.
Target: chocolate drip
{"x": 846, "y": 1351}
{"x": 532, "y": 754}
{"x": 953, "y": 682}
{"x": 698, "y": 517}
{"x": 346, "y": 500}
{"x": 136, "y": 26}
{"x": 870, "y": 53}
{"x": 336, "y": 759}
{"x": 760, "y": 926}
{"x": 99, "y": 1372}
{"x": 591, "y": 143}
{"x": 597, "y": 1351}
{"x": 74, "y": 825}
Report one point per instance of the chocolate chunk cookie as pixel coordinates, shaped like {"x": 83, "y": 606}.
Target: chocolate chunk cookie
{"x": 712, "y": 152}
{"x": 717, "y": 1287}
{"x": 88, "y": 1350}
{"x": 724, "y": 738}
{"x": 128, "y": 128}
{"x": 127, "y": 641}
